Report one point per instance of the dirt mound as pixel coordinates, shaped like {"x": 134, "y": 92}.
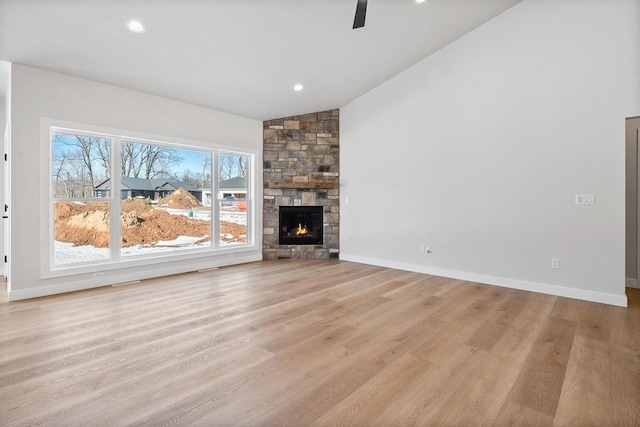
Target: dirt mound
{"x": 88, "y": 224}
{"x": 232, "y": 232}
{"x": 133, "y": 211}
{"x": 135, "y": 205}
{"x": 64, "y": 211}
{"x": 83, "y": 223}
{"x": 96, "y": 220}
{"x": 82, "y": 236}
{"x": 180, "y": 199}
{"x": 160, "y": 225}
{"x": 129, "y": 219}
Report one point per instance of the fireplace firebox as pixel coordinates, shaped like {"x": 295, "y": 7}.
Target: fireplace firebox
{"x": 301, "y": 225}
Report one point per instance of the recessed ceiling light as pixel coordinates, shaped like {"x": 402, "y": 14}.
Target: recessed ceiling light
{"x": 298, "y": 87}
{"x": 135, "y": 27}
{"x": 419, "y": 1}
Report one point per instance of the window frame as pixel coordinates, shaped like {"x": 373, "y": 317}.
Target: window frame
{"x": 116, "y": 261}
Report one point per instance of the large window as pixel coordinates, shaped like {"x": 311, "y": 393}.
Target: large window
{"x": 82, "y": 224}
{"x": 115, "y": 198}
{"x": 232, "y": 198}
{"x": 162, "y": 206}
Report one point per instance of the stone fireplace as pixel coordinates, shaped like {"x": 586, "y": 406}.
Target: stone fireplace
{"x": 301, "y": 211}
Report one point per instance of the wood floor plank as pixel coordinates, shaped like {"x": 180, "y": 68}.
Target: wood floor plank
{"x": 491, "y": 329}
{"x": 34, "y": 365}
{"x": 145, "y": 392}
{"x": 481, "y": 400}
{"x": 517, "y": 341}
{"x": 514, "y": 415}
{"x": 540, "y": 382}
{"x": 265, "y": 386}
{"x": 586, "y": 398}
{"x": 341, "y": 382}
{"x": 338, "y": 380}
{"x": 225, "y": 387}
{"x": 326, "y": 342}
{"x": 469, "y": 314}
{"x": 593, "y": 320}
{"x": 371, "y": 349}
{"x": 417, "y": 284}
{"x": 625, "y": 365}
{"x": 426, "y": 394}
{"x": 625, "y": 329}
{"x": 365, "y": 406}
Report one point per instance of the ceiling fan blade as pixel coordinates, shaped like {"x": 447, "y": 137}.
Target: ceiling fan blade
{"x": 361, "y": 13}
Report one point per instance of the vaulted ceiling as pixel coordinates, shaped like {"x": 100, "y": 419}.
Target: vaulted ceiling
{"x": 238, "y": 56}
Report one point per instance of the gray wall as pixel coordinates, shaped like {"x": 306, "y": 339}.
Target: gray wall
{"x": 479, "y": 150}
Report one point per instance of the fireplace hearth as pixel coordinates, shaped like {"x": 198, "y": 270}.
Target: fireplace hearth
{"x": 301, "y": 225}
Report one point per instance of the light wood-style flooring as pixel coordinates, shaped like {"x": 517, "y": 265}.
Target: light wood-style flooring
{"x": 319, "y": 343}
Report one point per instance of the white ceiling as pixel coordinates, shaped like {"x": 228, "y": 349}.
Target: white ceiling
{"x": 238, "y": 56}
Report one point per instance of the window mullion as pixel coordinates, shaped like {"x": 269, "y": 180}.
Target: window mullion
{"x": 249, "y": 200}
{"x": 215, "y": 203}
{"x": 250, "y": 197}
{"x": 115, "y": 226}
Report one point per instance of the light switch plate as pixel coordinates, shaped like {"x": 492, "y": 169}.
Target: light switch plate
{"x": 585, "y": 199}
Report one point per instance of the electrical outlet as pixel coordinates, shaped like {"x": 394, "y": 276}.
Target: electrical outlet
{"x": 555, "y": 262}
{"x": 421, "y": 249}
{"x": 427, "y": 249}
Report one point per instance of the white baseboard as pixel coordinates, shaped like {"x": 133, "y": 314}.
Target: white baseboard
{"x": 631, "y": 283}
{"x": 148, "y": 273}
{"x": 581, "y": 294}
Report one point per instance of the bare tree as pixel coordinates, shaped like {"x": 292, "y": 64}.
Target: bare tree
{"x": 205, "y": 176}
{"x": 242, "y": 166}
{"x": 60, "y": 178}
{"x": 131, "y": 159}
{"x": 104, "y": 158}
{"x": 191, "y": 177}
{"x": 79, "y": 162}
{"x": 159, "y": 160}
{"x": 147, "y": 160}
{"x": 231, "y": 166}
{"x": 225, "y": 167}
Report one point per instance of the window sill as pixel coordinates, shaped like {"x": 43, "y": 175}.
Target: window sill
{"x": 145, "y": 260}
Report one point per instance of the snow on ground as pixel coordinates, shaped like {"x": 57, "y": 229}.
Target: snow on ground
{"x": 66, "y": 253}
{"x": 205, "y": 215}
{"x": 236, "y": 217}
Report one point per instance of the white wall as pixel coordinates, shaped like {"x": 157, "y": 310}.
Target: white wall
{"x": 479, "y": 150}
{"x": 37, "y": 94}
{"x": 3, "y": 122}
{"x": 6, "y": 193}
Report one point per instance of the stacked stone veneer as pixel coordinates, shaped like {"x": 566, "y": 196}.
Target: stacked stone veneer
{"x": 301, "y": 168}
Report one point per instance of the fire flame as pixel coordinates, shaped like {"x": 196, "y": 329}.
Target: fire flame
{"x": 301, "y": 230}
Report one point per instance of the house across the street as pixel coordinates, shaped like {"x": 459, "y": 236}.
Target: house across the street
{"x": 141, "y": 187}
{"x": 235, "y": 188}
